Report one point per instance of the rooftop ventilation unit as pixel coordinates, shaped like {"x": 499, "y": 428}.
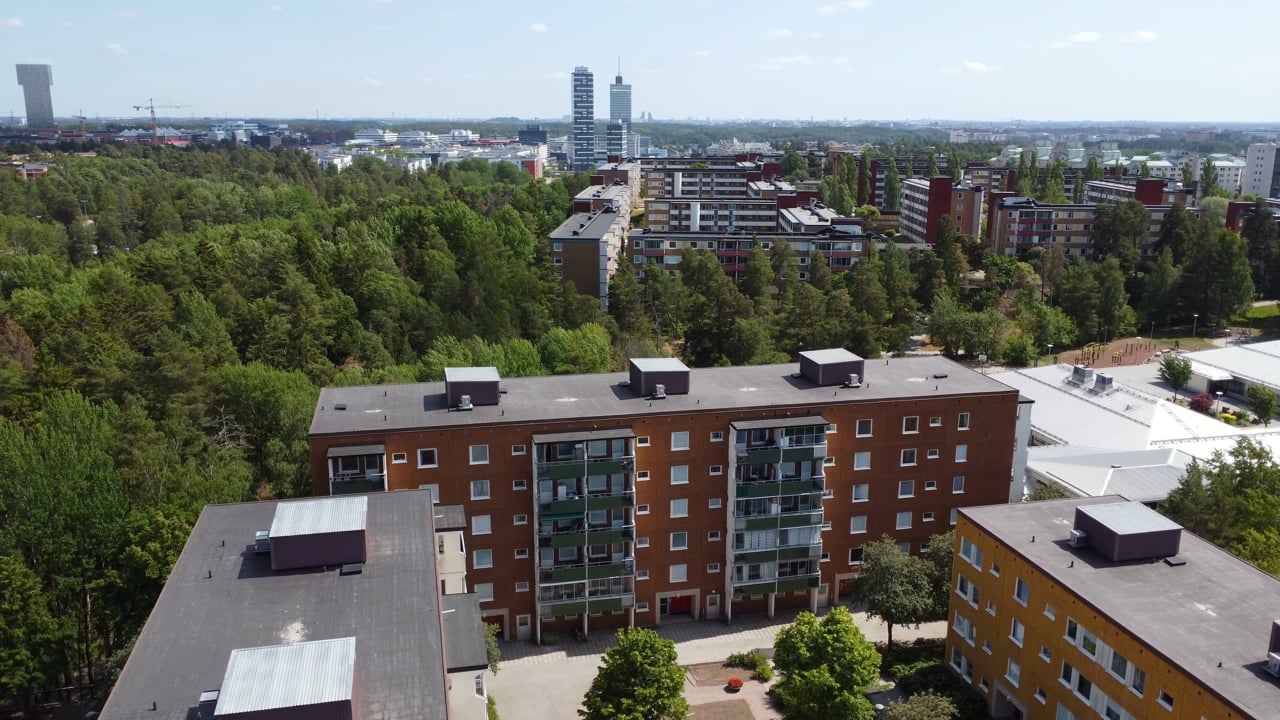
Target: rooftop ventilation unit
{"x": 207, "y": 703}
{"x": 464, "y": 403}
{"x": 833, "y": 366}
{"x": 1273, "y": 664}
{"x": 1079, "y": 538}
{"x": 472, "y": 386}
{"x": 1103, "y": 383}
{"x": 659, "y": 377}
{"x": 1080, "y": 375}
{"x": 659, "y": 391}
{"x": 854, "y": 381}
{"x": 262, "y": 542}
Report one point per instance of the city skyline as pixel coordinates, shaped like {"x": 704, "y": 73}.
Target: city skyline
{"x": 392, "y": 58}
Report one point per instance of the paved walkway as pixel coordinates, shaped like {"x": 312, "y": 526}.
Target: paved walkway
{"x": 548, "y": 683}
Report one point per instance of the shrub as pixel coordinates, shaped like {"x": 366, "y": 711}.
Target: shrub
{"x": 1202, "y": 403}
{"x": 938, "y": 678}
{"x": 742, "y": 660}
{"x": 492, "y": 709}
{"x": 755, "y": 661}
{"x": 763, "y": 670}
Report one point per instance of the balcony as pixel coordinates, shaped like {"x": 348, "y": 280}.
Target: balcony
{"x": 762, "y": 587}
{"x": 362, "y": 482}
{"x": 578, "y": 572}
{"x": 603, "y": 535}
{"x": 773, "y": 488}
{"x": 564, "y": 608}
{"x": 776, "y": 521}
{"x": 574, "y": 468}
{"x": 575, "y": 506}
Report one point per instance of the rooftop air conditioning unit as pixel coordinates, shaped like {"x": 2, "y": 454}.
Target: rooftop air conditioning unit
{"x": 262, "y": 542}
{"x": 464, "y": 403}
{"x": 1079, "y": 538}
{"x": 1273, "y": 663}
{"x": 854, "y": 381}
{"x": 659, "y": 391}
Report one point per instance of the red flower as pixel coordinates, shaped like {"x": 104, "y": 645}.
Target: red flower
{"x": 735, "y": 683}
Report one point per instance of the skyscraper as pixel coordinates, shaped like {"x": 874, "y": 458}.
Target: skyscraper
{"x": 620, "y": 99}
{"x": 584, "y": 119}
{"x": 36, "y": 81}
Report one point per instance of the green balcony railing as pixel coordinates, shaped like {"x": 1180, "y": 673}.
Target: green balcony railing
{"x": 561, "y": 470}
{"x": 787, "y": 584}
{"x": 580, "y": 573}
{"x": 761, "y": 456}
{"x": 755, "y": 555}
{"x": 795, "y": 520}
{"x": 579, "y": 606}
{"x": 593, "y": 502}
{"x": 779, "y": 489}
{"x": 801, "y": 552}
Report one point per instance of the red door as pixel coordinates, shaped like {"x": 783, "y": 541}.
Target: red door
{"x": 677, "y": 605}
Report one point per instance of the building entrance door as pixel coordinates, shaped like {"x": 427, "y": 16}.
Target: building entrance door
{"x": 713, "y": 607}
{"x": 524, "y": 628}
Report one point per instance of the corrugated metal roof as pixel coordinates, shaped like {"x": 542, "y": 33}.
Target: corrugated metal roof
{"x": 830, "y": 355}
{"x": 286, "y": 676}
{"x": 1258, "y": 363}
{"x": 471, "y": 374}
{"x": 313, "y": 517}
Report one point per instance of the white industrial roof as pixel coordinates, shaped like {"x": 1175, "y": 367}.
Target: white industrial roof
{"x": 471, "y": 374}
{"x": 287, "y": 676}
{"x": 1141, "y": 475}
{"x": 1258, "y": 363}
{"x": 325, "y": 515}
{"x": 659, "y": 364}
{"x": 829, "y": 355}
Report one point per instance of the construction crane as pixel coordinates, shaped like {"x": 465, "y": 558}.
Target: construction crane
{"x": 81, "y": 118}
{"x": 151, "y": 105}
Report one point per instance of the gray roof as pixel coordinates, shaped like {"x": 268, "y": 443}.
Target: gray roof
{"x": 1214, "y": 609}
{"x": 287, "y": 676}
{"x": 451, "y": 517}
{"x": 747, "y": 391}
{"x": 462, "y": 625}
{"x": 1142, "y": 475}
{"x": 313, "y": 517}
{"x": 1258, "y": 363}
{"x": 471, "y": 374}
{"x": 199, "y": 619}
{"x": 830, "y": 355}
{"x": 659, "y": 364}
{"x": 589, "y": 226}
{"x": 1124, "y": 518}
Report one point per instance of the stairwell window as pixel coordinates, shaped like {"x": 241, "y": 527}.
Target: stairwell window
{"x": 910, "y": 424}
{"x": 680, "y": 507}
{"x": 482, "y": 559}
{"x": 679, "y": 541}
{"x": 479, "y": 489}
{"x": 427, "y": 458}
{"x": 862, "y": 492}
{"x": 1021, "y": 591}
{"x": 963, "y": 422}
{"x": 680, "y": 475}
{"x": 908, "y": 457}
{"x": 862, "y": 460}
{"x": 484, "y": 592}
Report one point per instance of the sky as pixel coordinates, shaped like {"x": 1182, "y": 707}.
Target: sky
{"x": 992, "y": 60}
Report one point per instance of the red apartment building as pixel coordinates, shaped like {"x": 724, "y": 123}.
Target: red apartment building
{"x": 841, "y": 245}
{"x": 925, "y": 201}
{"x": 620, "y": 499}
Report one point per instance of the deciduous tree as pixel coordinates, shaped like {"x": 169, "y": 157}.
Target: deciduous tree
{"x": 1176, "y": 371}
{"x": 894, "y": 585}
{"x": 637, "y": 680}
{"x": 1263, "y": 400}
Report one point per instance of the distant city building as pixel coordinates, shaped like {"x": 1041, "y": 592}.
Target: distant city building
{"x": 926, "y": 201}
{"x": 616, "y": 144}
{"x": 583, "y": 151}
{"x": 585, "y": 248}
{"x": 1262, "y": 172}
{"x": 532, "y": 135}
{"x": 1018, "y": 224}
{"x": 376, "y": 136}
{"x": 1151, "y": 192}
{"x": 620, "y": 100}
{"x": 36, "y": 81}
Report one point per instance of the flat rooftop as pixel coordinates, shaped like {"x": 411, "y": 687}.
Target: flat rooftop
{"x": 221, "y": 596}
{"x": 583, "y": 227}
{"x": 1214, "y": 609}
{"x": 569, "y": 398}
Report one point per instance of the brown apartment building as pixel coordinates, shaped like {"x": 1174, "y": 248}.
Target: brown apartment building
{"x": 601, "y": 501}
{"x": 1017, "y": 224}
{"x": 926, "y": 201}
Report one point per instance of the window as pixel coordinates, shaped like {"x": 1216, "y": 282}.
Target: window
{"x": 520, "y": 520}
{"x": 713, "y": 536}
{"x": 642, "y": 509}
{"x": 519, "y": 485}
{"x": 930, "y": 484}
{"x": 642, "y": 475}
{"x": 903, "y": 521}
{"x": 906, "y": 488}
{"x": 1045, "y": 654}
{"x": 995, "y": 569}
{"x": 479, "y": 489}
{"x": 522, "y": 553}
{"x": 963, "y": 422}
{"x": 1021, "y": 591}
{"x": 962, "y": 453}
{"x": 1089, "y": 643}
{"x": 484, "y": 592}
{"x": 910, "y": 424}
{"x": 861, "y": 492}
{"x": 481, "y": 525}
{"x": 1139, "y": 682}
{"x": 642, "y": 607}
{"x": 679, "y": 474}
{"x": 479, "y": 454}
{"x": 557, "y": 261}
{"x": 927, "y": 517}
{"x": 642, "y": 542}
{"x": 1084, "y": 687}
{"x": 967, "y": 590}
{"x": 399, "y": 458}
{"x": 863, "y": 429}
{"x": 557, "y": 247}
{"x": 932, "y": 454}
{"x": 715, "y": 503}
{"x": 427, "y": 458}
{"x": 1073, "y": 630}
{"x": 715, "y": 470}
{"x": 642, "y": 575}
{"x": 935, "y": 421}
{"x": 957, "y": 484}
{"x": 717, "y": 436}
{"x": 862, "y": 460}
{"x": 680, "y": 440}
{"x": 1013, "y": 672}
{"x": 642, "y": 441}
{"x": 522, "y": 587}
{"x": 518, "y": 450}
{"x": 955, "y": 512}
{"x": 679, "y": 541}
{"x": 831, "y": 428}
{"x": 829, "y": 461}
{"x": 1050, "y": 611}
{"x": 482, "y": 559}
{"x": 680, "y": 507}
{"x": 858, "y": 524}
{"x": 1017, "y": 632}
{"x": 855, "y": 556}
{"x": 1041, "y": 696}
{"x": 1119, "y": 665}
{"x": 713, "y": 567}
{"x": 908, "y": 457}
{"x": 970, "y": 552}
{"x": 678, "y": 573}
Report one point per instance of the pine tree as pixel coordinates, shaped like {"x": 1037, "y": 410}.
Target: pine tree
{"x": 1209, "y": 179}
{"x": 892, "y": 186}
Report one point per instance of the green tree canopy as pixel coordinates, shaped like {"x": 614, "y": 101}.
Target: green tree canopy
{"x": 825, "y": 666}
{"x": 637, "y": 680}
{"x": 927, "y": 705}
{"x": 1176, "y": 371}
{"x": 894, "y": 585}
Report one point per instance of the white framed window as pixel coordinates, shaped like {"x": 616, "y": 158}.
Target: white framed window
{"x": 831, "y": 428}
{"x": 519, "y": 485}
{"x": 1013, "y": 673}
{"x": 935, "y": 421}
{"x": 863, "y": 428}
{"x": 955, "y": 514}
{"x": 1165, "y": 700}
{"x": 520, "y": 520}
{"x": 857, "y": 524}
{"x": 680, "y": 540}
{"x": 862, "y": 492}
{"x": 713, "y": 567}
{"x": 399, "y": 458}
{"x": 862, "y": 460}
{"x": 642, "y": 542}
{"x": 484, "y": 592}
{"x": 1045, "y": 653}
{"x": 829, "y": 461}
{"x": 716, "y": 436}
{"x": 855, "y": 556}
{"x": 715, "y": 503}
{"x": 642, "y": 475}
{"x": 481, "y": 525}
{"x": 557, "y": 247}
{"x": 957, "y": 484}
{"x": 482, "y": 559}
{"x": 479, "y": 489}
{"x": 995, "y": 569}
{"x": 904, "y": 548}
{"x": 522, "y": 587}
{"x": 932, "y": 454}
{"x": 522, "y": 553}
{"x": 903, "y": 521}
{"x": 713, "y": 536}
{"x": 557, "y": 261}
{"x": 962, "y": 453}
{"x": 910, "y": 424}
{"x": 906, "y": 488}
{"x": 962, "y": 423}
{"x": 642, "y": 575}
{"x": 908, "y": 457}
{"x": 679, "y": 474}
{"x": 678, "y": 573}
{"x": 1050, "y": 611}
{"x": 679, "y": 507}
{"x": 826, "y": 525}
{"x": 930, "y": 485}
{"x": 519, "y": 450}
{"x": 1017, "y": 632}
{"x": 715, "y": 470}
{"x": 479, "y": 454}
{"x": 680, "y": 440}
{"x": 642, "y": 441}
{"x": 1021, "y": 591}
{"x": 642, "y": 509}
{"x": 926, "y": 517}
{"x": 971, "y": 553}
{"x": 642, "y": 607}
{"x": 427, "y": 458}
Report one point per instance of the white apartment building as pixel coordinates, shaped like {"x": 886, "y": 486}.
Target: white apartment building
{"x": 1261, "y": 174}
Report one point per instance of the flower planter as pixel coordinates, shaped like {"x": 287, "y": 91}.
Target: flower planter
{"x": 734, "y": 685}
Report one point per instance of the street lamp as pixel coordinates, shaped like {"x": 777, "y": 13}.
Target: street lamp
{"x": 1195, "y": 318}
{"x": 1219, "y": 394}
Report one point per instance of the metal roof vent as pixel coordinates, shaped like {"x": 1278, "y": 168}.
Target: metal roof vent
{"x": 207, "y": 703}
{"x": 854, "y": 381}
{"x": 262, "y": 542}
{"x": 464, "y": 403}
{"x": 659, "y": 391}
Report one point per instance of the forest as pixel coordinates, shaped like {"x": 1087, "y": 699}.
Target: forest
{"x": 167, "y": 317}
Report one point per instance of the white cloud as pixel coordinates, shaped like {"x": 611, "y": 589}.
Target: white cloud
{"x": 277, "y": 8}
{"x": 116, "y": 49}
{"x": 371, "y": 82}
{"x": 12, "y": 22}
{"x": 1086, "y": 36}
{"x": 844, "y": 5}
{"x": 779, "y": 32}
{"x": 1140, "y": 36}
{"x": 701, "y": 53}
{"x": 970, "y": 66}
{"x": 538, "y": 27}
{"x": 126, "y": 14}
{"x": 558, "y": 75}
